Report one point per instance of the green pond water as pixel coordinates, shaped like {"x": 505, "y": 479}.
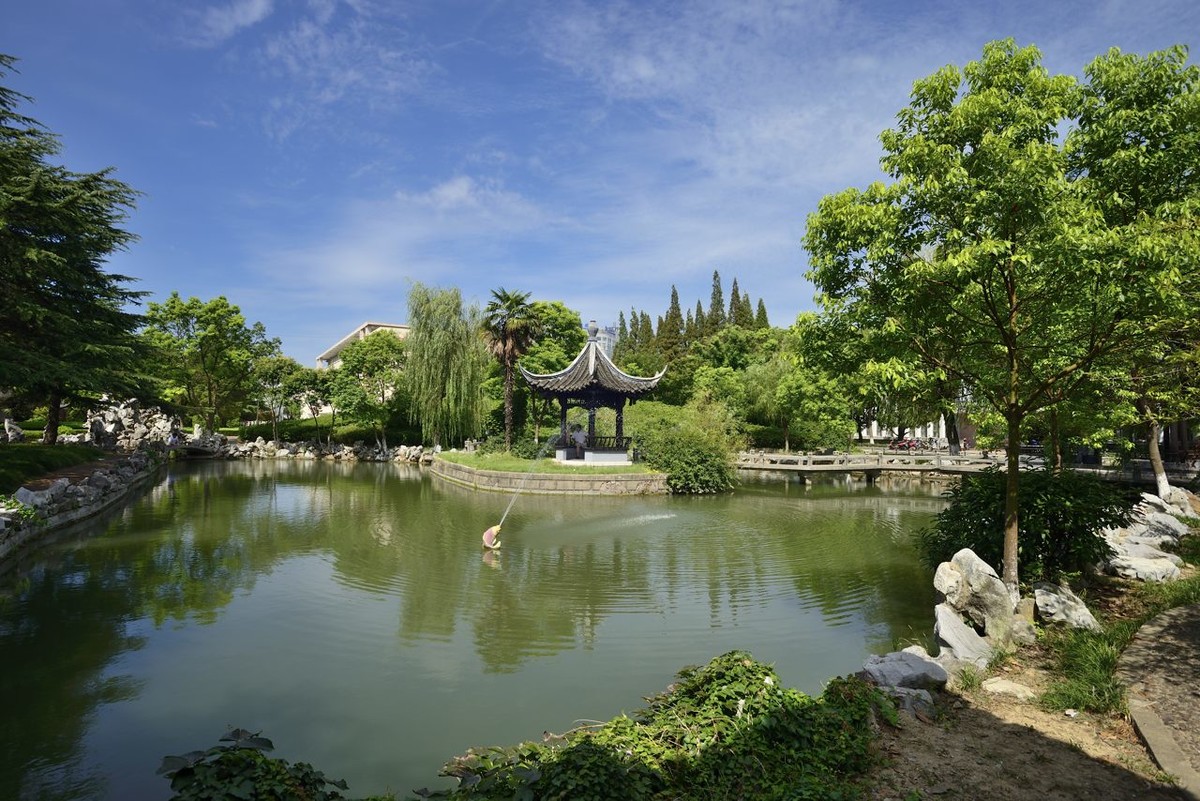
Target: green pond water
{"x": 349, "y": 613}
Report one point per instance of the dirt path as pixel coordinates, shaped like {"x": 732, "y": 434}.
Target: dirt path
{"x": 984, "y": 747}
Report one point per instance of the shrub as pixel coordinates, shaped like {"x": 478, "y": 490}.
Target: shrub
{"x": 724, "y": 730}
{"x": 1060, "y": 522}
{"x": 693, "y": 445}
{"x": 237, "y": 768}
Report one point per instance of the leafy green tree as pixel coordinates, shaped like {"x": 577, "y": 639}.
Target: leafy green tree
{"x": 372, "y": 390}
{"x": 447, "y": 362}
{"x": 1136, "y": 154}
{"x": 720, "y": 385}
{"x": 732, "y": 346}
{"x": 984, "y": 255}
{"x": 277, "y": 389}
{"x": 313, "y": 388}
{"x": 206, "y": 355}
{"x": 65, "y": 329}
{"x": 561, "y": 341}
{"x": 764, "y": 401}
{"x": 510, "y": 328}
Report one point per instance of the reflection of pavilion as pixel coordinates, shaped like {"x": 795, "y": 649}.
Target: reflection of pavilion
{"x": 592, "y": 381}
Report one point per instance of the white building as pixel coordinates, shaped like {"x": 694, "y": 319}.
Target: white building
{"x": 332, "y": 356}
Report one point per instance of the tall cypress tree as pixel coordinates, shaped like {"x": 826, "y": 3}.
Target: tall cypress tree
{"x": 621, "y": 349}
{"x": 735, "y": 302}
{"x": 745, "y": 312}
{"x": 716, "y": 306}
{"x": 701, "y": 321}
{"x": 760, "y": 319}
{"x": 670, "y": 329}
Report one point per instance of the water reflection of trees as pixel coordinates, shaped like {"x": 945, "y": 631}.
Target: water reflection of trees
{"x": 208, "y": 533}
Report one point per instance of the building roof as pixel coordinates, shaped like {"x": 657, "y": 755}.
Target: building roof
{"x": 330, "y": 355}
{"x": 591, "y": 371}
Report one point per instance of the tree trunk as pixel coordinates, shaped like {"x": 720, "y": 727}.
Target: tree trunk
{"x": 1011, "y": 495}
{"x": 508, "y": 406}
{"x": 1161, "y": 483}
{"x": 950, "y": 419}
{"x": 1056, "y": 455}
{"x": 53, "y": 416}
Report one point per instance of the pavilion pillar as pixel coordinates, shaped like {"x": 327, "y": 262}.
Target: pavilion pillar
{"x": 620, "y": 409}
{"x": 591, "y": 423}
{"x": 562, "y": 421}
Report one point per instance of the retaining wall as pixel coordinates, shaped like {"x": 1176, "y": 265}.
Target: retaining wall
{"x": 552, "y": 483}
{"x": 64, "y": 502}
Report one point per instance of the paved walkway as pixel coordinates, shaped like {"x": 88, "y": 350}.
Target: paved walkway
{"x": 1161, "y": 668}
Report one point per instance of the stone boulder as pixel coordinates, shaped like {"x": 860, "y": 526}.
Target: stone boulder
{"x": 905, "y": 669}
{"x": 999, "y": 686}
{"x": 958, "y": 641}
{"x": 12, "y": 431}
{"x": 1057, "y": 604}
{"x": 971, "y": 588}
{"x": 1133, "y": 567}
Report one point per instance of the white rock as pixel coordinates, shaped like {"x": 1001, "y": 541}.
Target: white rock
{"x": 955, "y": 636}
{"x": 1157, "y": 570}
{"x": 998, "y": 686}
{"x": 972, "y": 587}
{"x": 1059, "y": 605}
{"x": 905, "y": 669}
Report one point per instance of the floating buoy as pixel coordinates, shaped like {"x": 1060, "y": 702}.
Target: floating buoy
{"x": 491, "y": 537}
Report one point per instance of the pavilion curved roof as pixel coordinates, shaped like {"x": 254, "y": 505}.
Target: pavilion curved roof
{"x": 592, "y": 370}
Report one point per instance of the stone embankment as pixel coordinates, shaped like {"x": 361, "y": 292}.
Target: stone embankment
{"x": 221, "y": 447}
{"x": 975, "y": 617}
{"x": 552, "y": 483}
{"x": 36, "y": 509}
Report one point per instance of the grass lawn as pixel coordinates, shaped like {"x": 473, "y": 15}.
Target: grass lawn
{"x": 508, "y": 463}
{"x": 21, "y": 462}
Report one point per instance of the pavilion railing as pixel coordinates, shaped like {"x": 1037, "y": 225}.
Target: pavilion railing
{"x": 610, "y": 443}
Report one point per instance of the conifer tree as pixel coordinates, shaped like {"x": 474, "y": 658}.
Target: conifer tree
{"x": 670, "y": 329}
{"x": 760, "y": 319}
{"x": 621, "y": 349}
{"x": 65, "y": 331}
{"x": 716, "y": 306}
{"x": 735, "y": 302}
{"x": 745, "y": 312}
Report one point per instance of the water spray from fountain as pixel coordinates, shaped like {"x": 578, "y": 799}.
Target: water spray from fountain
{"x": 541, "y": 453}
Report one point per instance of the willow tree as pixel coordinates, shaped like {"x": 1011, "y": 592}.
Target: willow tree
{"x": 510, "y": 327}
{"x": 985, "y": 255}
{"x": 446, "y": 364}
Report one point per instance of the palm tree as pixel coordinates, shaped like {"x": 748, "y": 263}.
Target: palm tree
{"x": 510, "y": 327}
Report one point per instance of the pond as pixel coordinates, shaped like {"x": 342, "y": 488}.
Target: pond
{"x": 349, "y": 613}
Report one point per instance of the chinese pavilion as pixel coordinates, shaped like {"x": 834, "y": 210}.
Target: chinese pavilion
{"x": 592, "y": 381}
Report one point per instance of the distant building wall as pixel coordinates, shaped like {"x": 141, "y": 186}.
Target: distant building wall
{"x": 332, "y": 357}
{"x": 606, "y": 338}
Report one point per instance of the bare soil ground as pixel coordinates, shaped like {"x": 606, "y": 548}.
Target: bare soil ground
{"x": 986, "y": 747}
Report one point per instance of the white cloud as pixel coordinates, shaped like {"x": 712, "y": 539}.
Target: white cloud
{"x": 215, "y": 25}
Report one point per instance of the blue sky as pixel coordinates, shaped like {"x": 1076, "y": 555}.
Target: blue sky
{"x": 309, "y": 158}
